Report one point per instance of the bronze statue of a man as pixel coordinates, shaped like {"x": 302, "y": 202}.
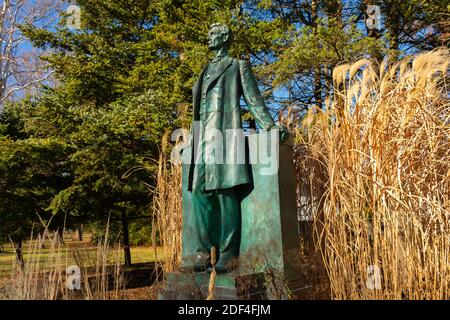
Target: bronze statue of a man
{"x": 216, "y": 107}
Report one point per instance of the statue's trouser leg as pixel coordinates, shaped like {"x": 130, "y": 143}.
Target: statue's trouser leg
{"x": 204, "y": 210}
{"x": 205, "y": 206}
{"x": 230, "y": 221}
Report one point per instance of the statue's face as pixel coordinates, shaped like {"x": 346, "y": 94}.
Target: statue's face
{"x": 215, "y": 39}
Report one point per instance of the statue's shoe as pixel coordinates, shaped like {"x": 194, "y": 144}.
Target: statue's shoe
{"x": 201, "y": 263}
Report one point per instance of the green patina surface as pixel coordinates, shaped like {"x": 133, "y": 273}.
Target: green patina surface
{"x": 243, "y": 209}
{"x": 268, "y": 216}
{"x": 213, "y": 182}
{"x": 226, "y": 280}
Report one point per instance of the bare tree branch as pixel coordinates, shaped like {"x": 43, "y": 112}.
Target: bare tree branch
{"x": 20, "y": 67}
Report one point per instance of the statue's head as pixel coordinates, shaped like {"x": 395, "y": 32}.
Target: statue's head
{"x": 219, "y": 36}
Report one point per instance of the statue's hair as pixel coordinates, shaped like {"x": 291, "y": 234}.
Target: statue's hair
{"x": 224, "y": 30}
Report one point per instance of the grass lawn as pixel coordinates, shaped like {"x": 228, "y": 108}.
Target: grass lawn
{"x": 65, "y": 255}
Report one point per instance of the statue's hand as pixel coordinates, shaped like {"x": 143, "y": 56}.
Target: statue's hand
{"x": 284, "y": 134}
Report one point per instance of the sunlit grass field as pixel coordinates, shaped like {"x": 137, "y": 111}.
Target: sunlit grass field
{"x": 140, "y": 254}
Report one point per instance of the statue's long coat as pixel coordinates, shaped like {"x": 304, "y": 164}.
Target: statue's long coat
{"x": 220, "y": 96}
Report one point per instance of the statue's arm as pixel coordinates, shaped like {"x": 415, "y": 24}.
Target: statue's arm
{"x": 253, "y": 98}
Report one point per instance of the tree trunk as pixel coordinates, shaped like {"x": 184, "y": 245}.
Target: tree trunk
{"x": 393, "y": 25}
{"x": 61, "y": 235}
{"x": 318, "y": 87}
{"x": 126, "y": 238}
{"x": 19, "y": 254}
{"x": 80, "y": 232}
{"x": 373, "y": 33}
{"x": 252, "y": 124}
{"x": 42, "y": 241}
{"x": 317, "y": 70}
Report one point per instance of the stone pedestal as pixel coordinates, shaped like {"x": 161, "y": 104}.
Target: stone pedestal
{"x": 228, "y": 286}
{"x": 269, "y": 241}
{"x": 269, "y": 249}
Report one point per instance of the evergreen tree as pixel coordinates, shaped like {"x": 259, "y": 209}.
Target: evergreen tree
{"x": 113, "y": 118}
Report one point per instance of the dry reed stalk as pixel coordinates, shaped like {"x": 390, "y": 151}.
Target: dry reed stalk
{"x": 373, "y": 175}
{"x": 380, "y": 153}
{"x": 102, "y": 272}
{"x": 212, "y": 279}
{"x": 166, "y": 224}
{"x": 43, "y": 275}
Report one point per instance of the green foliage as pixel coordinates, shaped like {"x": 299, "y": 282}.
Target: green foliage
{"x": 32, "y": 171}
{"x": 85, "y": 149}
{"x": 140, "y": 233}
{"x": 109, "y": 120}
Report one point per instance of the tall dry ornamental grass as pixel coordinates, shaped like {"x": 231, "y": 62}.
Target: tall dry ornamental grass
{"x": 166, "y": 225}
{"x": 45, "y": 274}
{"x": 382, "y": 147}
{"x": 373, "y": 174}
